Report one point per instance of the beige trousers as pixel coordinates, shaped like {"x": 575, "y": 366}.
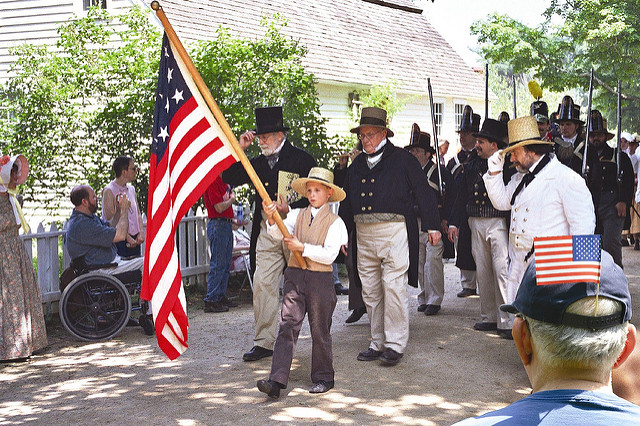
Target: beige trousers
{"x": 271, "y": 259}
{"x": 383, "y": 262}
{"x": 490, "y": 248}
{"x": 430, "y": 271}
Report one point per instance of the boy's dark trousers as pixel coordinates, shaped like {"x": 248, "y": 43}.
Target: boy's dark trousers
{"x": 312, "y": 293}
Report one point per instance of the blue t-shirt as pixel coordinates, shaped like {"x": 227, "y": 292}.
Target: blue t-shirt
{"x": 91, "y": 237}
{"x": 563, "y": 407}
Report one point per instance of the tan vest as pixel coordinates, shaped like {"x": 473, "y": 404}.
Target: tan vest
{"x": 314, "y": 234}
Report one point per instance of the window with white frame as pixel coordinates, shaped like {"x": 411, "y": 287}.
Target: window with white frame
{"x": 459, "y": 109}
{"x": 438, "y": 109}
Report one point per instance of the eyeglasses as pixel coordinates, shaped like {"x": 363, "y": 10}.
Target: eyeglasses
{"x": 370, "y": 136}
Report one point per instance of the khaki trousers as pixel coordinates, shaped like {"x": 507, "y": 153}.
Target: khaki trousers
{"x": 430, "y": 271}
{"x": 383, "y": 262}
{"x": 490, "y": 248}
{"x": 271, "y": 259}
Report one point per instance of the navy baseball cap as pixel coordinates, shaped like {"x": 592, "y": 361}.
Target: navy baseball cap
{"x": 547, "y": 303}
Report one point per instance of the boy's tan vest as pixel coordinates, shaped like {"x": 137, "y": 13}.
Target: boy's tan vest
{"x": 314, "y": 234}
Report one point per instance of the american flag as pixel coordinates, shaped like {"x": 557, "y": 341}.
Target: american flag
{"x": 188, "y": 151}
{"x": 567, "y": 259}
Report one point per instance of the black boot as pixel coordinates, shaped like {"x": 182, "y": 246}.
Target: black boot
{"x": 356, "y": 314}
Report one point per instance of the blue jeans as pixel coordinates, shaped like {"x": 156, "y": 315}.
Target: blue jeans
{"x": 221, "y": 240}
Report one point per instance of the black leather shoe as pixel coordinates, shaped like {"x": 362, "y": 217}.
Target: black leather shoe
{"x": 146, "y": 322}
{"x": 432, "y": 310}
{"x": 356, "y": 314}
{"x": 228, "y": 303}
{"x": 485, "y": 326}
{"x": 271, "y": 388}
{"x": 505, "y": 333}
{"x": 624, "y": 241}
{"x": 341, "y": 290}
{"x": 369, "y": 355}
{"x": 321, "y": 387}
{"x": 390, "y": 357}
{"x": 215, "y": 307}
{"x": 256, "y": 353}
{"x": 466, "y": 292}
{"x": 422, "y": 308}
{"x": 636, "y": 245}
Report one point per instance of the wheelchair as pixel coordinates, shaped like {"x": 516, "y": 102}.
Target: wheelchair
{"x": 97, "y": 306}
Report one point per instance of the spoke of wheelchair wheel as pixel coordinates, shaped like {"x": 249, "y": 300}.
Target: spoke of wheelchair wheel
{"x": 86, "y": 294}
{"x": 80, "y": 320}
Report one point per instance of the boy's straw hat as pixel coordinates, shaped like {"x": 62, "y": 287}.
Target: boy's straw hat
{"x": 320, "y": 175}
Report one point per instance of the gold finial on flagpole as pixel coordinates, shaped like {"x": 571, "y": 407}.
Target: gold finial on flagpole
{"x": 155, "y": 5}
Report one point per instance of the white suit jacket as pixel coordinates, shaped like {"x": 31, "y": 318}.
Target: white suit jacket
{"x": 556, "y": 202}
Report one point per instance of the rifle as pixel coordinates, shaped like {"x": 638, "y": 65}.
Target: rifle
{"x": 619, "y": 124}
{"x": 513, "y": 80}
{"x": 435, "y": 138}
{"x": 585, "y": 166}
{"x": 486, "y": 91}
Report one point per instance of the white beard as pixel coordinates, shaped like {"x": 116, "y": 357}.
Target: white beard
{"x": 267, "y": 151}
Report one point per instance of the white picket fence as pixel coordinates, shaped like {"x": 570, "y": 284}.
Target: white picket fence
{"x": 191, "y": 242}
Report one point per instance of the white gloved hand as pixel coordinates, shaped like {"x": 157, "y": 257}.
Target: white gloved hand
{"x": 496, "y": 162}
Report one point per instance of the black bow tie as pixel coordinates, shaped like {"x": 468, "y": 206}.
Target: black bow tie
{"x": 380, "y": 151}
{"x": 526, "y": 179}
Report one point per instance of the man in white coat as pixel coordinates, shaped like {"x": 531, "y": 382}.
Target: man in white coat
{"x": 546, "y": 198}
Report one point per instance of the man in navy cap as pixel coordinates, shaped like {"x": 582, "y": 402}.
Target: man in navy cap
{"x": 570, "y": 336}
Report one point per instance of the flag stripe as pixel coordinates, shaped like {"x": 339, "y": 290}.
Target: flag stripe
{"x": 188, "y": 152}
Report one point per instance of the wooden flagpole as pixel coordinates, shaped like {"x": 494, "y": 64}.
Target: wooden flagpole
{"x": 213, "y": 106}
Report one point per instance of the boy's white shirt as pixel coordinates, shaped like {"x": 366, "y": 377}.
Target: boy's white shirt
{"x": 337, "y": 236}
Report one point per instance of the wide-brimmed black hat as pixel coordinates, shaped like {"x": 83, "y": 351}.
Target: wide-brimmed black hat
{"x": 494, "y": 131}
{"x": 597, "y": 124}
{"x": 470, "y": 122}
{"x": 540, "y": 111}
{"x": 269, "y": 120}
{"x": 420, "y": 140}
{"x": 504, "y": 117}
{"x": 569, "y": 111}
{"x": 373, "y": 117}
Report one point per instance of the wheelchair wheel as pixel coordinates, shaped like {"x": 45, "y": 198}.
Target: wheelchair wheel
{"x": 95, "y": 306}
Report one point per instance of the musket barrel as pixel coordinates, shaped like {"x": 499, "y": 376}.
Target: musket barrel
{"x": 585, "y": 165}
{"x": 435, "y": 138}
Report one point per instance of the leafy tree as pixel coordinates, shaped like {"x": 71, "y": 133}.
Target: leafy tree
{"x": 243, "y": 74}
{"x": 75, "y": 108}
{"x": 599, "y": 34}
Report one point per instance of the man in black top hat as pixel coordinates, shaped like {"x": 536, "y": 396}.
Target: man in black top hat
{"x": 489, "y": 232}
{"x": 611, "y": 193}
{"x": 382, "y": 184}
{"x": 568, "y": 119}
{"x": 430, "y": 266}
{"x": 279, "y": 159}
{"x": 469, "y": 125}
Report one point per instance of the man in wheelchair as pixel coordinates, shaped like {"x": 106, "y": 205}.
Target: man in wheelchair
{"x": 90, "y": 242}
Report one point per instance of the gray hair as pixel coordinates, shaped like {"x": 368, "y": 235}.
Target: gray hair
{"x": 564, "y": 347}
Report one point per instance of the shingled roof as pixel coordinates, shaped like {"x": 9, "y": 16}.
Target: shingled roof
{"x": 348, "y": 41}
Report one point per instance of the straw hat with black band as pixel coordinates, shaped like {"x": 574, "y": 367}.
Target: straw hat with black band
{"x": 319, "y": 175}
{"x": 373, "y": 117}
{"x": 523, "y": 131}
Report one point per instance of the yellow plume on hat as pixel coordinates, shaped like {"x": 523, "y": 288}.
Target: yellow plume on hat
{"x": 535, "y": 89}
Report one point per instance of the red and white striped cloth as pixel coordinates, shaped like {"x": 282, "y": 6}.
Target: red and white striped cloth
{"x": 189, "y": 150}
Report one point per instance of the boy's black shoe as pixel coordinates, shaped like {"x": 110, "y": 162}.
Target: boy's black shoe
{"x": 321, "y": 386}
{"x": 215, "y": 307}
{"x": 340, "y": 289}
{"x": 466, "y": 292}
{"x": 271, "y": 388}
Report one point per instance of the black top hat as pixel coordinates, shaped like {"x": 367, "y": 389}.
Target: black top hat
{"x": 494, "y": 131}
{"x": 540, "y": 111}
{"x": 269, "y": 120}
{"x": 598, "y": 125}
{"x": 504, "y": 117}
{"x": 420, "y": 140}
{"x": 470, "y": 122}
{"x": 568, "y": 111}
